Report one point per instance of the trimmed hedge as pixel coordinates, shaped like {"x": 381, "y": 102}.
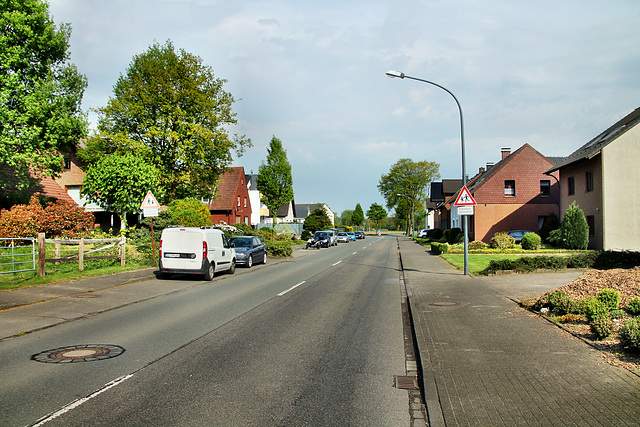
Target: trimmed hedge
{"x": 532, "y": 263}
{"x": 279, "y": 248}
{"x": 439, "y": 248}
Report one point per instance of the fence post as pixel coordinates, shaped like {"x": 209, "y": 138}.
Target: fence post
{"x": 122, "y": 251}
{"x": 42, "y": 255}
{"x": 81, "y": 255}
{"x": 57, "y": 248}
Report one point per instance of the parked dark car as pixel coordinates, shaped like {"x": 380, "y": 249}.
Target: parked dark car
{"x": 359, "y": 234}
{"x": 249, "y": 250}
{"x": 324, "y": 237}
{"x": 518, "y": 234}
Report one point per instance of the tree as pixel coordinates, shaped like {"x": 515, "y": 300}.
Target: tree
{"x": 120, "y": 183}
{"x": 171, "y": 110}
{"x": 376, "y": 213}
{"x": 317, "y": 220}
{"x": 408, "y": 180}
{"x": 346, "y": 217}
{"x": 274, "y": 179}
{"x": 40, "y": 95}
{"x": 190, "y": 212}
{"x": 574, "y": 229}
{"x": 357, "y": 218}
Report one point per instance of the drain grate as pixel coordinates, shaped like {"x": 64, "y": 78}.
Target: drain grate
{"x": 405, "y": 382}
{"x": 79, "y": 353}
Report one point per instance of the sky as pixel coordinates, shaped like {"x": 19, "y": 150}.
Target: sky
{"x": 550, "y": 73}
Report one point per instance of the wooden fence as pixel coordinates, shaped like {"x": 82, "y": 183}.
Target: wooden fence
{"x": 80, "y": 256}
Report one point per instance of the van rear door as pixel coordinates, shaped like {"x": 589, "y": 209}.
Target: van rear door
{"x": 182, "y": 249}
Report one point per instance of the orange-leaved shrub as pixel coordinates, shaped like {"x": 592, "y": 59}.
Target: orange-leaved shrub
{"x": 56, "y": 219}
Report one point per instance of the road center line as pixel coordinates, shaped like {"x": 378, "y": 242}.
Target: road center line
{"x": 336, "y": 263}
{"x": 291, "y": 288}
{"x": 354, "y": 253}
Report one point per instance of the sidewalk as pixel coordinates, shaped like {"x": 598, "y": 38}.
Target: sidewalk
{"x": 485, "y": 361}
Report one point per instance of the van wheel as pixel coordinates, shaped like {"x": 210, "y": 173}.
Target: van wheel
{"x": 232, "y": 269}
{"x": 250, "y": 261}
{"x": 211, "y": 271}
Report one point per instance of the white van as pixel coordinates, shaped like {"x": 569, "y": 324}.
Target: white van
{"x": 193, "y": 250}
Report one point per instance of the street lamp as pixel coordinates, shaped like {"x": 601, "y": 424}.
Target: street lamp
{"x": 398, "y": 74}
{"x": 412, "y": 210}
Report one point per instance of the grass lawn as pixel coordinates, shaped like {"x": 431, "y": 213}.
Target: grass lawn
{"x": 477, "y": 262}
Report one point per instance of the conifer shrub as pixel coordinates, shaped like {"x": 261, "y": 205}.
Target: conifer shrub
{"x": 592, "y": 308}
{"x": 477, "y": 244}
{"x": 633, "y": 306}
{"x": 574, "y": 228}
{"x": 630, "y": 333}
{"x": 602, "y": 326}
{"x": 609, "y": 297}
{"x": 531, "y": 242}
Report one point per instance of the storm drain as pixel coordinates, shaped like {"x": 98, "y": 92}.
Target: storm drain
{"x": 79, "y": 353}
{"x": 405, "y": 382}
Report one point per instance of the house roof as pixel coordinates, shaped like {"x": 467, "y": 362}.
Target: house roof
{"x": 593, "y": 147}
{"x": 228, "y": 185}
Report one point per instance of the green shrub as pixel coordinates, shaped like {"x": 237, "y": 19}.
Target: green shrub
{"x": 602, "y": 326}
{"x": 633, "y": 306}
{"x": 630, "y": 333}
{"x": 279, "y": 249}
{"x": 434, "y": 234}
{"x": 616, "y": 314}
{"x": 617, "y": 259}
{"x": 610, "y": 298}
{"x": 586, "y": 259}
{"x": 305, "y": 235}
{"x": 453, "y": 235}
{"x": 592, "y": 308}
{"x": 477, "y": 244}
{"x": 439, "y": 248}
{"x": 190, "y": 212}
{"x": 561, "y": 303}
{"x": 502, "y": 241}
{"x": 531, "y": 242}
{"x": 574, "y": 228}
{"x": 549, "y": 224}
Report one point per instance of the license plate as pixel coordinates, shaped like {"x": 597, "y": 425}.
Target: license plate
{"x": 172, "y": 255}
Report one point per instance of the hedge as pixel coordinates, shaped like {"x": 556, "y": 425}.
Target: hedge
{"x": 532, "y": 263}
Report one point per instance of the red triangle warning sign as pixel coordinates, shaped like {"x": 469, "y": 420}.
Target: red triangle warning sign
{"x": 149, "y": 202}
{"x": 465, "y": 198}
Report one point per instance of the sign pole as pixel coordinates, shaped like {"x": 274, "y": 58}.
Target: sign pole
{"x": 153, "y": 243}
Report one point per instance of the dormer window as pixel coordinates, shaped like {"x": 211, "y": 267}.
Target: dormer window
{"x": 510, "y": 188}
{"x": 67, "y": 162}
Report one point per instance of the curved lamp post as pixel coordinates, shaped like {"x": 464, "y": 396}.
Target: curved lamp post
{"x": 398, "y": 74}
{"x": 413, "y": 219}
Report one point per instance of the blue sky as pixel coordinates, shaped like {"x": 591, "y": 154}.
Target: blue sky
{"x": 548, "y": 73}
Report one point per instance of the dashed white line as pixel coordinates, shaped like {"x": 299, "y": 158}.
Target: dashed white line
{"x": 354, "y": 253}
{"x": 336, "y": 263}
{"x": 291, "y": 288}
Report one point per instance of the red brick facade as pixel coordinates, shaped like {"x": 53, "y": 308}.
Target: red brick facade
{"x": 232, "y": 206}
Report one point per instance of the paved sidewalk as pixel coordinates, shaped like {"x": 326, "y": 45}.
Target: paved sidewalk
{"x": 485, "y": 361}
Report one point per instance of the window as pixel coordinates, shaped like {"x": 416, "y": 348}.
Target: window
{"x": 591, "y": 222}
{"x": 67, "y": 162}
{"x": 509, "y": 188}
{"x": 571, "y": 184}
{"x": 545, "y": 187}
{"x": 589, "y": 180}
{"x": 245, "y": 202}
{"x": 238, "y": 201}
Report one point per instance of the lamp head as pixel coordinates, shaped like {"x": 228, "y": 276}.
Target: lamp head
{"x": 392, "y": 74}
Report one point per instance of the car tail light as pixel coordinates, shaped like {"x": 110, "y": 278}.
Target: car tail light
{"x": 160, "y": 249}
{"x": 204, "y": 249}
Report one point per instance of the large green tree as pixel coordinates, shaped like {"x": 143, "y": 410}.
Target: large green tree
{"x": 40, "y": 95}
{"x": 357, "y": 218}
{"x": 171, "y": 110}
{"x": 408, "y": 180}
{"x": 119, "y": 183}
{"x": 376, "y": 213}
{"x": 275, "y": 181}
{"x": 317, "y": 220}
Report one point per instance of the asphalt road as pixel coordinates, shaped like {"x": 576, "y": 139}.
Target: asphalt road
{"x": 313, "y": 341}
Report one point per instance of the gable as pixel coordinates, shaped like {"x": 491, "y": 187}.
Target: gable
{"x": 230, "y": 185}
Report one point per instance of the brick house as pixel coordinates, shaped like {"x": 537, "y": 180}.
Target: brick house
{"x": 603, "y": 177}
{"x": 514, "y": 194}
{"x": 233, "y": 205}
{"x": 441, "y": 192}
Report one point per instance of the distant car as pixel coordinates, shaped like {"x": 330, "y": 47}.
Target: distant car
{"x": 360, "y": 235}
{"x": 422, "y": 234}
{"x": 333, "y": 238}
{"x": 352, "y": 235}
{"x": 249, "y": 250}
{"x": 343, "y": 237}
{"x": 518, "y": 234}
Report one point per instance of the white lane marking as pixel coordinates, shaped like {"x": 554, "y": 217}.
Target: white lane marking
{"x": 291, "y": 288}
{"x": 354, "y": 253}
{"x": 336, "y": 263}
{"x": 79, "y": 402}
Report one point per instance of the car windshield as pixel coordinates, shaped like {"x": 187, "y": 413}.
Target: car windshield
{"x": 240, "y": 243}
{"x": 321, "y": 235}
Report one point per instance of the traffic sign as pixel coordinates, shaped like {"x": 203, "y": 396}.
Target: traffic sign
{"x": 465, "y": 198}
{"x": 465, "y": 210}
{"x": 149, "y": 202}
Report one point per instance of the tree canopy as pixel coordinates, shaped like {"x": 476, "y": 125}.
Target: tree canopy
{"x": 357, "y": 218}
{"x": 275, "y": 181}
{"x": 120, "y": 183}
{"x": 408, "y": 180}
{"x": 317, "y": 220}
{"x": 40, "y": 95}
{"x": 376, "y": 213}
{"x": 172, "y": 111}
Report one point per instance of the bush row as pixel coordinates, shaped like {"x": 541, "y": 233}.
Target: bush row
{"x": 599, "y": 312}
{"x": 532, "y": 263}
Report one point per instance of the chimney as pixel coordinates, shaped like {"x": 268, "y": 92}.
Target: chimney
{"x": 489, "y": 166}
{"x": 505, "y": 152}
{"x": 481, "y": 170}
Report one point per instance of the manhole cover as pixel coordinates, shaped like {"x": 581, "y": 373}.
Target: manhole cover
{"x": 79, "y": 353}
{"x": 444, "y": 304}
{"x": 405, "y": 382}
